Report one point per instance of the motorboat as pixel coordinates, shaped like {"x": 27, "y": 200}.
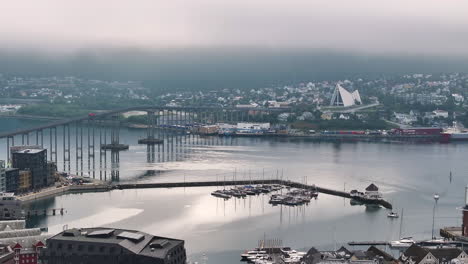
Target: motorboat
{"x": 393, "y": 215}
{"x": 221, "y": 194}
{"x": 405, "y": 242}
{"x": 251, "y": 253}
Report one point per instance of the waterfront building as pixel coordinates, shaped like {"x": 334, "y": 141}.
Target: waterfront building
{"x": 372, "y": 191}
{"x": 35, "y": 160}
{"x": 12, "y": 180}
{"x": 341, "y": 97}
{"x": 10, "y": 207}
{"x": 112, "y": 246}
{"x": 25, "y": 179}
{"x": 253, "y": 126}
{"x": 2, "y": 176}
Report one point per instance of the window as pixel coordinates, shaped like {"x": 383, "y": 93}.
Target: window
{"x": 80, "y": 247}
{"x": 91, "y": 248}
{"x": 59, "y": 246}
{"x": 101, "y": 249}
{"x": 70, "y": 247}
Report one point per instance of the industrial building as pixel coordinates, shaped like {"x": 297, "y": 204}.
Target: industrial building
{"x": 34, "y": 160}
{"x": 113, "y": 246}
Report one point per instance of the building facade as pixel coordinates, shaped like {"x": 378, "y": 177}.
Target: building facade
{"x": 112, "y": 246}
{"x": 34, "y": 160}
{"x": 12, "y": 180}
{"x": 6, "y": 254}
{"x": 25, "y": 179}
{"x": 2, "y": 176}
{"x": 27, "y": 255}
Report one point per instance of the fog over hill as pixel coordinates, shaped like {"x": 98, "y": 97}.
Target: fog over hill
{"x": 221, "y": 67}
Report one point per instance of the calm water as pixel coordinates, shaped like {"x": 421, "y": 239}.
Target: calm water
{"x": 408, "y": 175}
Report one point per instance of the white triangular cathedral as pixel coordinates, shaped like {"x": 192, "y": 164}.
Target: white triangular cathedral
{"x": 341, "y": 97}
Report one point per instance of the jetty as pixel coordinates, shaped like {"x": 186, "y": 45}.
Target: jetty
{"x": 291, "y": 184}
{"x": 99, "y": 187}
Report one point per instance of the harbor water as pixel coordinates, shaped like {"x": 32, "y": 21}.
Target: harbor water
{"x": 407, "y": 174}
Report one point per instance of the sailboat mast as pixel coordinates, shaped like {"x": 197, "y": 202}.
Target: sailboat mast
{"x": 401, "y": 223}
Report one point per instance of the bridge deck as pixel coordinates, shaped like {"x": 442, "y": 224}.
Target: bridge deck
{"x": 136, "y": 108}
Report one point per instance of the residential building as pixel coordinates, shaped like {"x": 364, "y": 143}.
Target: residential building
{"x": 29, "y": 254}
{"x": 420, "y": 255}
{"x": 112, "y": 246}
{"x": 12, "y": 180}
{"x": 34, "y": 160}
{"x": 440, "y": 113}
{"x": 344, "y": 256}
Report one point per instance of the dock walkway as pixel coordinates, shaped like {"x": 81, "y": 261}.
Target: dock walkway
{"x": 253, "y": 182}
{"x": 106, "y": 187}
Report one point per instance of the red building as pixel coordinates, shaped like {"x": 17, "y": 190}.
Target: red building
{"x": 25, "y": 255}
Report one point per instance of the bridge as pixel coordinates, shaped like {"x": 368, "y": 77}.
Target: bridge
{"x": 81, "y": 133}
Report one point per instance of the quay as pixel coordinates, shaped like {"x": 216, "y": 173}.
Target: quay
{"x": 95, "y": 187}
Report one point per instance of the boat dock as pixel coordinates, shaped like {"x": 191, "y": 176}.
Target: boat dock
{"x": 107, "y": 187}
{"x": 368, "y": 243}
{"x": 253, "y": 182}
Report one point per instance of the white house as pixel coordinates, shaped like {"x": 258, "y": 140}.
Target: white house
{"x": 440, "y": 113}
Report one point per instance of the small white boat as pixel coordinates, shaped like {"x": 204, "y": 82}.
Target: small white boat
{"x": 251, "y": 253}
{"x": 393, "y": 215}
{"x": 405, "y": 242}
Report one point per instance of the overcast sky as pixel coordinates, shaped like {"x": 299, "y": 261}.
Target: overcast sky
{"x": 432, "y": 27}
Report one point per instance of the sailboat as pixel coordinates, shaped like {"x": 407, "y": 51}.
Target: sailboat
{"x": 404, "y": 242}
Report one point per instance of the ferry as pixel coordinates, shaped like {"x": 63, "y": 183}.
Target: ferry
{"x": 455, "y": 133}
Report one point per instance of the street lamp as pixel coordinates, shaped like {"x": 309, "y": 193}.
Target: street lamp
{"x": 436, "y": 198}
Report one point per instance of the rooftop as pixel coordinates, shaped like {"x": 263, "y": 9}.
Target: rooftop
{"x": 29, "y": 151}
{"x": 134, "y": 241}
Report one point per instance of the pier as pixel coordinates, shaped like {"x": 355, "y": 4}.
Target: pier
{"x": 107, "y": 187}
{"x": 254, "y": 182}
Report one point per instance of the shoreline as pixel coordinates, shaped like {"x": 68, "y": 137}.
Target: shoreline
{"x": 57, "y": 191}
